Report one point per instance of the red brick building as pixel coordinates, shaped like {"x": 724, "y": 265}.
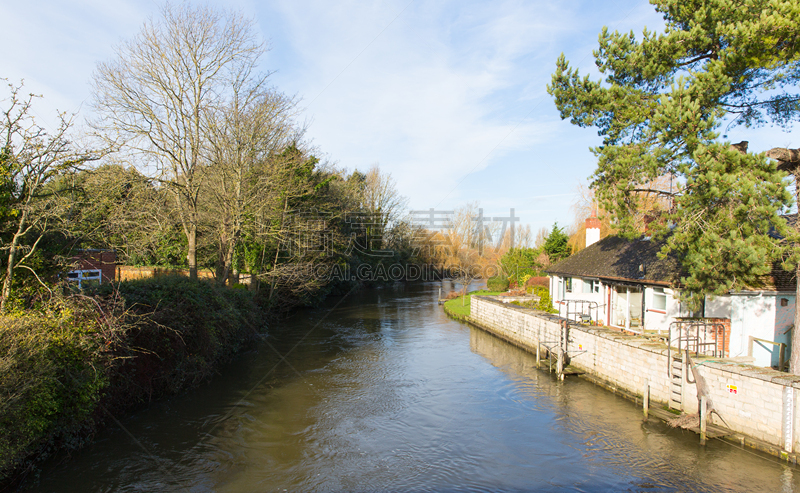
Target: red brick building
{"x": 93, "y": 265}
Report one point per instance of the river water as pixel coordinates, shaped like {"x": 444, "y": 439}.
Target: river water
{"x": 380, "y": 391}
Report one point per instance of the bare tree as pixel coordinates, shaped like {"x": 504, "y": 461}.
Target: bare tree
{"x": 466, "y": 257}
{"x": 524, "y": 238}
{"x": 245, "y": 134}
{"x": 30, "y": 160}
{"x": 381, "y": 199}
{"x": 541, "y": 237}
{"x": 152, "y": 98}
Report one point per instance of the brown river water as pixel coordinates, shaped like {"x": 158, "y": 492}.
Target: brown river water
{"x": 380, "y": 391}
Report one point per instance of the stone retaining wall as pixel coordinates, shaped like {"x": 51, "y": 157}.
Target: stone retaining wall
{"x": 756, "y": 402}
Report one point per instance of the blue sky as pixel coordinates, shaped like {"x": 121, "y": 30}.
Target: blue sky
{"x": 448, "y": 96}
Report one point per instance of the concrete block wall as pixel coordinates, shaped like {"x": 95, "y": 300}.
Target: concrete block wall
{"x": 749, "y": 399}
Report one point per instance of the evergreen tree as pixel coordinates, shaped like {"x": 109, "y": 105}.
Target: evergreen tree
{"x": 658, "y": 109}
{"x": 556, "y": 246}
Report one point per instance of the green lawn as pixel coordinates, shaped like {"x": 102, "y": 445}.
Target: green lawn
{"x": 460, "y": 306}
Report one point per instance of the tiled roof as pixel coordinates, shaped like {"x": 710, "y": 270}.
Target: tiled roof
{"x": 616, "y": 258}
{"x": 777, "y": 280}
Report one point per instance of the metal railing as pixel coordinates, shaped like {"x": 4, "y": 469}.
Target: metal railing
{"x": 781, "y": 355}
{"x": 702, "y": 337}
{"x": 581, "y": 310}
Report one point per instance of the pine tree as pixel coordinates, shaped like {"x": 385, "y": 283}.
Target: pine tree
{"x": 658, "y": 110}
{"x": 556, "y": 246}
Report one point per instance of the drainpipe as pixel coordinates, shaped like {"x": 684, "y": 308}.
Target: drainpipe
{"x": 644, "y": 307}
{"x": 627, "y": 308}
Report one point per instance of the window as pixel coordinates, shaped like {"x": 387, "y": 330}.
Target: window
{"x": 591, "y": 286}
{"x": 568, "y": 284}
{"x": 659, "y": 299}
{"x": 84, "y": 278}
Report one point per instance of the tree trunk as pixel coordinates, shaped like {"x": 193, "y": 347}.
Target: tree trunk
{"x": 191, "y": 256}
{"x": 12, "y": 258}
{"x": 278, "y": 248}
{"x": 789, "y": 160}
{"x": 794, "y": 348}
{"x": 794, "y": 356}
{"x": 13, "y": 249}
{"x": 221, "y": 266}
{"x": 227, "y": 262}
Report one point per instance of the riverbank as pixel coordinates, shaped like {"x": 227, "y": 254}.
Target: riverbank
{"x": 75, "y": 362}
{"x": 459, "y": 308}
{"x": 753, "y": 406}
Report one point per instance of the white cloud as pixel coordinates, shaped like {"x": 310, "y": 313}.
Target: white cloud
{"x": 447, "y": 96}
{"x": 423, "y": 98}
{"x": 54, "y": 47}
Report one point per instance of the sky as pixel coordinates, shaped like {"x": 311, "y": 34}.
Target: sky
{"x": 449, "y": 97}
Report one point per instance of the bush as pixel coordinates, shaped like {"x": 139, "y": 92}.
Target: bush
{"x": 452, "y": 295}
{"x": 61, "y": 364}
{"x": 497, "y": 283}
{"x": 184, "y": 330}
{"x": 52, "y": 376}
{"x": 545, "y": 303}
{"x": 538, "y": 281}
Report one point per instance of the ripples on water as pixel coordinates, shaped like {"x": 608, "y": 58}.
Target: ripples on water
{"x": 387, "y": 394}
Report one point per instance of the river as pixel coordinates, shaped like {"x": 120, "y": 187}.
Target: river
{"x": 380, "y": 391}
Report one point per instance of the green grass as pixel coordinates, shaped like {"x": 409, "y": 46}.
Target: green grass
{"x": 459, "y": 307}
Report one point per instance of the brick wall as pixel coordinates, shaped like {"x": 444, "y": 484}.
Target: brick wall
{"x": 749, "y": 399}
{"x": 103, "y": 260}
{"x": 127, "y": 273}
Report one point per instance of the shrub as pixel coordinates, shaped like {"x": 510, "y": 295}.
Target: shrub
{"x": 185, "y": 329}
{"x": 52, "y": 376}
{"x": 453, "y": 294}
{"x": 61, "y": 364}
{"x": 497, "y": 283}
{"x": 538, "y": 281}
{"x": 545, "y": 303}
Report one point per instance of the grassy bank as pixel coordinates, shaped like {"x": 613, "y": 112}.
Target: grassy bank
{"x": 458, "y": 308}
{"x": 68, "y": 364}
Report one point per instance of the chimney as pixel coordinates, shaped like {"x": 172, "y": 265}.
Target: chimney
{"x": 592, "y": 229}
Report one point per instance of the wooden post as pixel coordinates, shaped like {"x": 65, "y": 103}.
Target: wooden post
{"x": 782, "y": 357}
{"x": 646, "y": 399}
{"x": 560, "y": 364}
{"x": 538, "y": 357}
{"x": 440, "y": 295}
{"x": 703, "y": 418}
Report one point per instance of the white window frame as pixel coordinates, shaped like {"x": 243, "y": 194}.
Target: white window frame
{"x": 591, "y": 286}
{"x": 85, "y": 275}
{"x": 662, "y": 294}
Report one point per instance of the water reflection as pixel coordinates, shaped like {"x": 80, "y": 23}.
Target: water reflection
{"x": 387, "y": 394}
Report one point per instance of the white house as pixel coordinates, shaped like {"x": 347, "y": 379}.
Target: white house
{"x": 624, "y": 284}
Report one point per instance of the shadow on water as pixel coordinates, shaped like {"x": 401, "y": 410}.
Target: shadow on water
{"x": 385, "y": 393}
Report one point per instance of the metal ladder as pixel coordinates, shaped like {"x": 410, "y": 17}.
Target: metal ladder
{"x": 676, "y": 368}
{"x": 681, "y": 335}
